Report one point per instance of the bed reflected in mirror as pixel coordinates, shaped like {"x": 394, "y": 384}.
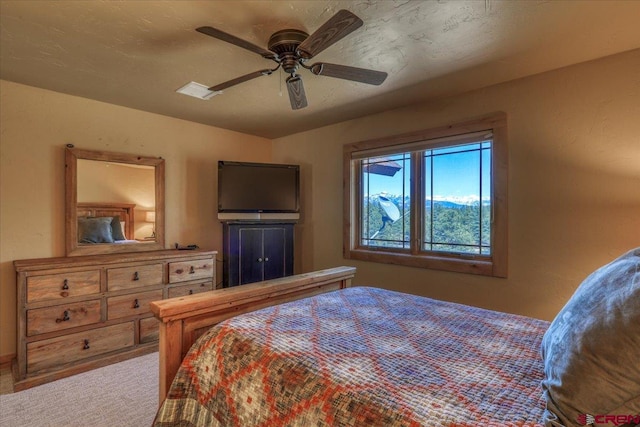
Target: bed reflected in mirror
{"x": 114, "y": 203}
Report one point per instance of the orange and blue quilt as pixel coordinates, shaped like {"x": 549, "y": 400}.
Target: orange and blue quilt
{"x": 362, "y": 357}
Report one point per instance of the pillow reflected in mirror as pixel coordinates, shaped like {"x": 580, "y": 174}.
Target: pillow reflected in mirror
{"x": 95, "y": 230}
{"x": 116, "y": 229}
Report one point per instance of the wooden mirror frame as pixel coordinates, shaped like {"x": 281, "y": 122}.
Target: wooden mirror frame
{"x": 73, "y": 248}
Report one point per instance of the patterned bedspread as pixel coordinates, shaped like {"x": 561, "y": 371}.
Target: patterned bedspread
{"x": 362, "y": 357}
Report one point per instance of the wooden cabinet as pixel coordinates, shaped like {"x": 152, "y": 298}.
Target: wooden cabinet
{"x": 80, "y": 313}
{"x": 256, "y": 251}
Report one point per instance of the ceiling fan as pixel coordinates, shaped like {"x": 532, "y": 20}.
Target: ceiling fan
{"x": 291, "y": 49}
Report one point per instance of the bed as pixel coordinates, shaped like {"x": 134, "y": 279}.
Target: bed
{"x": 105, "y": 223}
{"x": 312, "y": 350}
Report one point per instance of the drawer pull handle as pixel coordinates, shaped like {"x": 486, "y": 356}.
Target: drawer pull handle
{"x": 136, "y": 276}
{"x": 65, "y": 285}
{"x": 190, "y": 291}
{"x": 86, "y": 345}
{"x": 135, "y": 303}
{"x": 179, "y": 271}
{"x": 192, "y": 270}
{"x": 65, "y": 317}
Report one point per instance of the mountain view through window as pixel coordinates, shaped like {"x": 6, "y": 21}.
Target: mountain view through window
{"x": 455, "y": 187}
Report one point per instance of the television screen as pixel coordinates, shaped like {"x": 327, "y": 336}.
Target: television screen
{"x": 258, "y": 187}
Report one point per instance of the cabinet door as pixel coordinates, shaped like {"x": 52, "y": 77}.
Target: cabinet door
{"x": 275, "y": 252}
{"x": 255, "y": 252}
{"x": 251, "y": 255}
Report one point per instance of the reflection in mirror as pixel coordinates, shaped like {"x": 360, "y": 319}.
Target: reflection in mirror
{"x": 107, "y": 183}
{"x": 114, "y": 203}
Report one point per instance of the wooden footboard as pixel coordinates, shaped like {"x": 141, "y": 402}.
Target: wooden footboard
{"x": 184, "y": 319}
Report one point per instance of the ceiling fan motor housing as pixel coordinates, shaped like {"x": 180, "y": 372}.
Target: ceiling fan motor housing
{"x": 285, "y": 44}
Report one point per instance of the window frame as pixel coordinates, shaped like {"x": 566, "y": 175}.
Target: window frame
{"x": 492, "y": 265}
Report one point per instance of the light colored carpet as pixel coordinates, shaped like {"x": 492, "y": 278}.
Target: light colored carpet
{"x": 122, "y": 394}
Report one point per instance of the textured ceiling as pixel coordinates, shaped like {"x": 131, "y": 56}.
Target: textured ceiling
{"x": 137, "y": 53}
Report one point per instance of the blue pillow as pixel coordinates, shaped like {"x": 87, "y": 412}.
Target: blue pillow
{"x": 95, "y": 230}
{"x": 591, "y": 350}
{"x": 116, "y": 229}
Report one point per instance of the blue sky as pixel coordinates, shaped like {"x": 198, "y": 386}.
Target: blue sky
{"x": 455, "y": 176}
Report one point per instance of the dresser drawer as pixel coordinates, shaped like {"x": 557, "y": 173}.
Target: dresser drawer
{"x": 180, "y": 291}
{"x": 74, "y": 347}
{"x": 59, "y": 286}
{"x": 64, "y": 316}
{"x": 149, "y": 329}
{"x": 190, "y": 270}
{"x": 132, "y": 304}
{"x": 134, "y": 277}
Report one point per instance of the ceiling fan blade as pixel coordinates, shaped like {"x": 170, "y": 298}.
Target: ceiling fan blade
{"x": 361, "y": 75}
{"x": 221, "y": 35}
{"x": 340, "y": 25}
{"x": 296, "y": 92}
{"x": 241, "y": 79}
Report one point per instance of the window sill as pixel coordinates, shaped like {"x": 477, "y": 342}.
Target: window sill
{"x": 462, "y": 264}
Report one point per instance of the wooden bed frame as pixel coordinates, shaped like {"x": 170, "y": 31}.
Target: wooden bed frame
{"x": 122, "y": 210}
{"x": 184, "y": 319}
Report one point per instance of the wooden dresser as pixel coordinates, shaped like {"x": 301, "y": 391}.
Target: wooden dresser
{"x": 80, "y": 313}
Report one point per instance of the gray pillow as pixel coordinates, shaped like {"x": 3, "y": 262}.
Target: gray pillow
{"x": 591, "y": 350}
{"x": 116, "y": 229}
{"x": 95, "y": 230}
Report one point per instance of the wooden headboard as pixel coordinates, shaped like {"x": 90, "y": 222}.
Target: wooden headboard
{"x": 122, "y": 210}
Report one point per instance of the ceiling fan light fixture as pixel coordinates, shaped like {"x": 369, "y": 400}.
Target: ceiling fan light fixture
{"x": 198, "y": 90}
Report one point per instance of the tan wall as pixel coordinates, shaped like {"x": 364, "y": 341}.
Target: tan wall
{"x": 35, "y": 126}
{"x": 574, "y": 187}
{"x": 574, "y": 202}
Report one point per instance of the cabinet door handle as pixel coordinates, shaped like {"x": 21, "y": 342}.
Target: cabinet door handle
{"x": 259, "y": 259}
{"x": 266, "y": 259}
{"x": 65, "y": 317}
{"x": 65, "y": 288}
{"x": 136, "y": 276}
{"x": 86, "y": 345}
{"x": 135, "y": 303}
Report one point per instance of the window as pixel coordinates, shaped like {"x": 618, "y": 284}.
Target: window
{"x": 432, "y": 199}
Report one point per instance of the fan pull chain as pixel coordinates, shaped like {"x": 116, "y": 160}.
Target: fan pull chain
{"x": 280, "y": 79}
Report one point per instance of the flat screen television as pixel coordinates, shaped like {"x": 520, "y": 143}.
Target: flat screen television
{"x": 258, "y": 187}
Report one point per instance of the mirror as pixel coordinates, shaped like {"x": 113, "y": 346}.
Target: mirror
{"x": 114, "y": 202}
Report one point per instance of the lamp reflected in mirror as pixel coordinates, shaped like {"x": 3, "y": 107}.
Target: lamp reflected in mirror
{"x": 105, "y": 184}
{"x": 150, "y": 216}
